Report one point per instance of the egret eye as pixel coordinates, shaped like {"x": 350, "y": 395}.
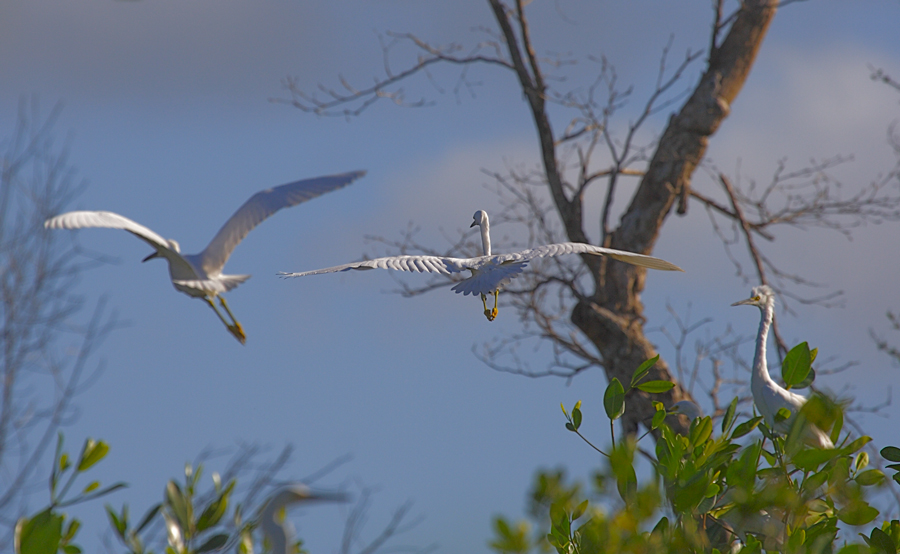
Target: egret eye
{"x": 756, "y": 298}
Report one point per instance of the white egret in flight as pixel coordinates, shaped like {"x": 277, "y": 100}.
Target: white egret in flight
{"x": 276, "y": 529}
{"x": 768, "y": 395}
{"x": 490, "y": 272}
{"x": 200, "y": 275}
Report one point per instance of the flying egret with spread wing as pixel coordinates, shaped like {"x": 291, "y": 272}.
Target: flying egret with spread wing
{"x": 769, "y": 396}
{"x": 276, "y": 529}
{"x": 490, "y": 272}
{"x": 200, "y": 275}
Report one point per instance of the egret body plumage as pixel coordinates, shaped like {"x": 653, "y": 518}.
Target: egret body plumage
{"x": 769, "y": 396}
{"x": 490, "y": 272}
{"x": 276, "y": 529}
{"x": 200, "y": 275}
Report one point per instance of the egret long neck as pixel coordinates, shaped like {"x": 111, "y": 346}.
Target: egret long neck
{"x": 486, "y": 236}
{"x": 760, "y": 374}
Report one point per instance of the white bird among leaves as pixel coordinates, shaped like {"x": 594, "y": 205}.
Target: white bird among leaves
{"x": 490, "y": 272}
{"x": 200, "y": 275}
{"x": 276, "y": 529}
{"x": 769, "y": 396}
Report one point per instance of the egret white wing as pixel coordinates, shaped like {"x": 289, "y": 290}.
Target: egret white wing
{"x": 262, "y": 205}
{"x": 109, "y": 220}
{"x": 489, "y": 277}
{"x": 427, "y": 264}
{"x": 219, "y": 285}
{"x": 563, "y": 248}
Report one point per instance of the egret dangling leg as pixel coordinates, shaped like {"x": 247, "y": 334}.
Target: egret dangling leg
{"x": 234, "y": 328}
{"x": 490, "y": 314}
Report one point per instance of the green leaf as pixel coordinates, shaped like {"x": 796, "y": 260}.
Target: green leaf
{"x": 688, "y": 496}
{"x": 728, "y": 419}
{"x": 176, "y": 501}
{"x": 642, "y": 370}
{"x": 857, "y": 512}
{"x": 856, "y": 445}
{"x": 148, "y": 517}
{"x": 861, "y": 461}
{"x": 661, "y": 526}
{"x": 796, "y": 365}
{"x": 810, "y": 378}
{"x": 215, "y": 542}
{"x": 891, "y": 453}
{"x": 701, "y": 430}
{"x": 656, "y": 387}
{"x": 658, "y": 418}
{"x": 119, "y": 524}
{"x": 881, "y": 541}
{"x": 746, "y": 427}
{"x": 214, "y": 512}
{"x": 870, "y": 477}
{"x": 40, "y": 534}
{"x": 93, "y": 452}
{"x": 579, "y": 510}
{"x": 838, "y": 426}
{"x": 71, "y": 549}
{"x": 570, "y": 427}
{"x": 93, "y": 485}
{"x": 783, "y": 414}
{"x": 614, "y": 399}
{"x": 811, "y": 458}
{"x": 895, "y": 467}
{"x": 71, "y": 530}
{"x": 576, "y": 418}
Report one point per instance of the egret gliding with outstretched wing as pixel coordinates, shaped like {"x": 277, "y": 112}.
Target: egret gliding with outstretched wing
{"x": 490, "y": 272}
{"x": 200, "y": 275}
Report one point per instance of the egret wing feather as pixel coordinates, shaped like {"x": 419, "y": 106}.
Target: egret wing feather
{"x": 427, "y": 264}
{"x": 108, "y": 220}
{"x": 563, "y": 248}
{"x": 262, "y": 205}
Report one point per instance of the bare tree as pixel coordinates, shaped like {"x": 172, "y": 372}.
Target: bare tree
{"x": 602, "y": 299}
{"x": 46, "y": 351}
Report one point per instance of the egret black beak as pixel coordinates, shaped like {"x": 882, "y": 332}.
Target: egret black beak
{"x": 473, "y": 224}
{"x": 150, "y": 257}
{"x": 743, "y": 302}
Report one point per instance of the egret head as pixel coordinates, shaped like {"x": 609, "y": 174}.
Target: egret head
{"x": 480, "y": 218}
{"x": 687, "y": 408}
{"x": 760, "y": 297}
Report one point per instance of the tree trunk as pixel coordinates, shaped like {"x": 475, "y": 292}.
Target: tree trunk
{"x": 613, "y": 317}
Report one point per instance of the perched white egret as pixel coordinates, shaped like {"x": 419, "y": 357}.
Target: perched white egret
{"x": 200, "y": 275}
{"x": 275, "y": 527}
{"x": 768, "y": 395}
{"x": 490, "y": 272}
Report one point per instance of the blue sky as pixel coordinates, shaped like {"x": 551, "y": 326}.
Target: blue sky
{"x": 167, "y": 108}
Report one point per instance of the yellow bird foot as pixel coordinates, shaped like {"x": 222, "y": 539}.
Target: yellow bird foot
{"x": 490, "y": 314}
{"x": 238, "y": 332}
